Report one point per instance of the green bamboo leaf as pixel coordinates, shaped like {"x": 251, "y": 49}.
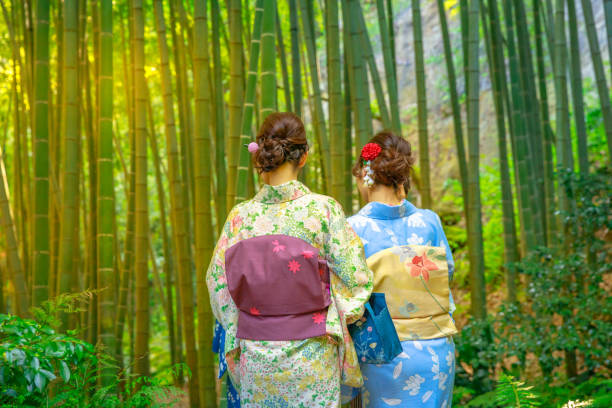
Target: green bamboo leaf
{"x": 39, "y": 381}
{"x": 64, "y": 371}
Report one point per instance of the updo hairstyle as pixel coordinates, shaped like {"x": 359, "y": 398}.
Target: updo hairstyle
{"x": 393, "y": 164}
{"x": 281, "y": 138}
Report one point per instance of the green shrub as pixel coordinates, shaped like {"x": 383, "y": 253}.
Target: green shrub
{"x": 42, "y": 367}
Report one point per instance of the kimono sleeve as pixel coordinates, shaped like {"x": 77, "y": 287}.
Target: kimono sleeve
{"x": 222, "y": 304}
{"x": 346, "y": 259}
{"x": 442, "y": 241}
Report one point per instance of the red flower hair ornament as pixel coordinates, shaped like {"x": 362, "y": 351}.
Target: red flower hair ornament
{"x": 369, "y": 152}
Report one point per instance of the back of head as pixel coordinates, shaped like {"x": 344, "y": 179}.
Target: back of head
{"x": 392, "y": 166}
{"x": 281, "y": 139}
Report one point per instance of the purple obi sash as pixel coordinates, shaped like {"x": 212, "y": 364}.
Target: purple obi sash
{"x": 280, "y": 287}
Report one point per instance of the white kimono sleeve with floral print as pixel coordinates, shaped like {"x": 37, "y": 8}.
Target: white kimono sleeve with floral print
{"x": 222, "y": 304}
{"x": 351, "y": 281}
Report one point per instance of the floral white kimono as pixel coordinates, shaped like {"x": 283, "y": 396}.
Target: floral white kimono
{"x": 292, "y": 373}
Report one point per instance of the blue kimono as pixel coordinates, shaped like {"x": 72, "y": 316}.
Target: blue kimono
{"x": 412, "y": 263}
{"x": 218, "y": 346}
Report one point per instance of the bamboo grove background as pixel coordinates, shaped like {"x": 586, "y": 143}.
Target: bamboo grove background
{"x": 123, "y": 123}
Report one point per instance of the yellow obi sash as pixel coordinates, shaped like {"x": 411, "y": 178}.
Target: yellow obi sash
{"x": 414, "y": 279}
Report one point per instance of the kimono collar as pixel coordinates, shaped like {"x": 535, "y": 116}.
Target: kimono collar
{"x": 288, "y": 191}
{"x": 382, "y": 211}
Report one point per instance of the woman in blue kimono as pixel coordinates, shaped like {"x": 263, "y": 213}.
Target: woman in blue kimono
{"x": 412, "y": 263}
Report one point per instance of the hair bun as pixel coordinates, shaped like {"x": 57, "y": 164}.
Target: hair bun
{"x": 281, "y": 138}
{"x": 392, "y": 166}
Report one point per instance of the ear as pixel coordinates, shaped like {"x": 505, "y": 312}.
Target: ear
{"x": 303, "y": 160}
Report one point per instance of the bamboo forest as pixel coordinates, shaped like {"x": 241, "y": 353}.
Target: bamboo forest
{"x": 123, "y": 127}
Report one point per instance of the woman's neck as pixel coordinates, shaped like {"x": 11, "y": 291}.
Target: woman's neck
{"x": 285, "y": 173}
{"x": 384, "y": 194}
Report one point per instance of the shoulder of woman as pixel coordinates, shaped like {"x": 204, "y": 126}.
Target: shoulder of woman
{"x": 329, "y": 203}
{"x": 432, "y": 217}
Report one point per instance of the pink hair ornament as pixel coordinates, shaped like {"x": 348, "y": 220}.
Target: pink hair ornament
{"x": 252, "y": 147}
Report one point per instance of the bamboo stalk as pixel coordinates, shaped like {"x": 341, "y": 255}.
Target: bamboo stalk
{"x": 390, "y": 75}
{"x": 22, "y": 298}
{"x": 141, "y": 222}
{"x": 105, "y": 188}
{"x": 600, "y": 78}
{"x": 549, "y": 193}
{"x": 334, "y": 86}
{"x": 532, "y": 116}
{"x": 70, "y": 160}
{"x": 519, "y": 138}
{"x": 205, "y": 382}
{"x": 320, "y": 127}
{"x": 244, "y": 156}
{"x": 564, "y": 147}
{"x": 419, "y": 66}
{"x": 167, "y": 303}
{"x": 576, "y": 88}
{"x": 479, "y": 310}
{"x": 268, "y": 59}
{"x": 296, "y": 74}
{"x": 283, "y": 63}
{"x": 179, "y": 206}
{"x": 348, "y": 141}
{"x": 496, "y": 65}
{"x": 373, "y": 69}
{"x": 220, "y": 161}
{"x": 127, "y": 266}
{"x": 452, "y": 85}
{"x": 236, "y": 98}
{"x": 40, "y": 232}
{"x": 608, "y": 14}
{"x": 184, "y": 110}
{"x": 359, "y": 76}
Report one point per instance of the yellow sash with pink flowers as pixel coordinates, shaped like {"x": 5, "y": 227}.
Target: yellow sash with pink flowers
{"x": 414, "y": 279}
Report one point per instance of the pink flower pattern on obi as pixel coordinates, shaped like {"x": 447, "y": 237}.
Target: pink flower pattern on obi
{"x": 277, "y": 247}
{"x": 307, "y": 254}
{"x": 421, "y": 266}
{"x": 318, "y": 318}
{"x": 294, "y": 266}
{"x": 254, "y": 311}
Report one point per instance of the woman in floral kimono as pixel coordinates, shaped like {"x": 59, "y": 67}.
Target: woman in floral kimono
{"x": 412, "y": 263}
{"x": 288, "y": 274}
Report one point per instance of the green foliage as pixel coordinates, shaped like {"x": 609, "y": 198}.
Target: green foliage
{"x": 450, "y": 211}
{"x": 41, "y": 367}
{"x": 477, "y": 356}
{"x": 567, "y": 304}
{"x": 33, "y": 355}
{"x": 566, "y": 307}
{"x": 511, "y": 393}
{"x": 596, "y": 392}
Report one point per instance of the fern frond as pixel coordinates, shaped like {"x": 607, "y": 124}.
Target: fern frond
{"x": 512, "y": 393}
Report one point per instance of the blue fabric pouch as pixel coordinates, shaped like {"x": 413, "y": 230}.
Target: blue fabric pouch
{"x": 374, "y": 335}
